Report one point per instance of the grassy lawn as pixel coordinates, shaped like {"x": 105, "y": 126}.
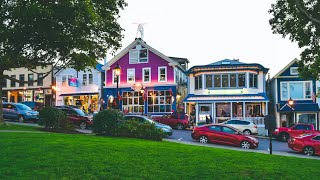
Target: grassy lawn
{"x": 18, "y": 127}
{"x": 63, "y": 156}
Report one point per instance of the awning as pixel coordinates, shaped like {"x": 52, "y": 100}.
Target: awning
{"x": 226, "y": 98}
{"x": 80, "y": 94}
{"x": 299, "y": 107}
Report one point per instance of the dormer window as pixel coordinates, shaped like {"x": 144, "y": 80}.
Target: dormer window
{"x": 294, "y": 71}
{"x": 138, "y": 55}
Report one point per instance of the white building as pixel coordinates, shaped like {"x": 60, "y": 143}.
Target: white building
{"x": 79, "y": 88}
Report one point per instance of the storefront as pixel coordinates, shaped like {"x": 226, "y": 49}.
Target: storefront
{"x": 85, "y": 101}
{"x": 40, "y": 95}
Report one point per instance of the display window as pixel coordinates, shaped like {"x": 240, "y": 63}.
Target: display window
{"x": 159, "y": 101}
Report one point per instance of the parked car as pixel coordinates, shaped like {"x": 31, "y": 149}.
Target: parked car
{"x": 167, "y": 130}
{"x": 223, "y": 134}
{"x": 77, "y": 116}
{"x": 247, "y": 127}
{"x": 179, "y": 121}
{"x": 308, "y": 144}
{"x": 37, "y": 106}
{"x": 284, "y": 133}
{"x": 20, "y": 112}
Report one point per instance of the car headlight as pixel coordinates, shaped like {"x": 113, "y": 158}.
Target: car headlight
{"x": 28, "y": 114}
{"x": 165, "y": 129}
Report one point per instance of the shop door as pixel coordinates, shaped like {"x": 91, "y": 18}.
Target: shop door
{"x": 47, "y": 101}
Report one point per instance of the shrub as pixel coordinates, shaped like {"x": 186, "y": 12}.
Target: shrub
{"x": 53, "y": 118}
{"x": 106, "y": 122}
{"x": 136, "y": 129}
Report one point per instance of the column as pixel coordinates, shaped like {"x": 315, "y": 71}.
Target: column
{"x": 212, "y": 109}
{"x": 214, "y": 112}
{"x": 197, "y": 113}
{"x": 244, "y": 110}
{"x": 231, "y": 110}
{"x": 267, "y": 111}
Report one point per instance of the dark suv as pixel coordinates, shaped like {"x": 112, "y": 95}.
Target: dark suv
{"x": 77, "y": 116}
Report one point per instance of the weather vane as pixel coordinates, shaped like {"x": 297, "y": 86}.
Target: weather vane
{"x": 140, "y": 30}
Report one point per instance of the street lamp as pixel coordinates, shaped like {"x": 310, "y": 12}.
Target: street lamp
{"x": 117, "y": 71}
{"x": 142, "y": 94}
{"x": 290, "y": 102}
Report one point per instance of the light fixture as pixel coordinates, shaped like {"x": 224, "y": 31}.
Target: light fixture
{"x": 290, "y": 102}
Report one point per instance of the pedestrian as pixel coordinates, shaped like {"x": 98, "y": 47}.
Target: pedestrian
{"x": 211, "y": 120}
{"x": 207, "y": 120}
{"x": 101, "y": 104}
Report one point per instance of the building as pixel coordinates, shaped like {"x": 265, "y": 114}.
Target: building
{"x": 39, "y": 91}
{"x": 287, "y": 85}
{"x": 149, "y": 83}
{"x": 79, "y": 88}
{"x": 227, "y": 89}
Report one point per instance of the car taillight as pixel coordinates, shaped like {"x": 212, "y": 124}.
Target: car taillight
{"x": 255, "y": 126}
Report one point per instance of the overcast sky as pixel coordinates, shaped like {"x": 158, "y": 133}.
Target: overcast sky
{"x": 206, "y": 31}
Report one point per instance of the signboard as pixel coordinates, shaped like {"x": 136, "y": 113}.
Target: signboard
{"x": 73, "y": 82}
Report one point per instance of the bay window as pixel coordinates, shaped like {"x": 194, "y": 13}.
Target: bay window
{"x": 253, "y": 80}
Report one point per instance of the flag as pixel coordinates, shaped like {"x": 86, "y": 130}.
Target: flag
{"x": 314, "y": 97}
{"x": 119, "y": 96}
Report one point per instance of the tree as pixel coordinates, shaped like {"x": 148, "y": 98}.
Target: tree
{"x": 61, "y": 33}
{"x": 300, "y": 21}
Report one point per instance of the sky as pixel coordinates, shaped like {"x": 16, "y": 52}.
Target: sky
{"x": 206, "y": 31}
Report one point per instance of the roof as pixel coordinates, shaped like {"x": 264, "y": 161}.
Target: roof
{"x": 133, "y": 44}
{"x": 299, "y": 107}
{"x": 226, "y": 98}
{"x": 227, "y": 64}
{"x": 180, "y": 60}
{"x": 285, "y": 68}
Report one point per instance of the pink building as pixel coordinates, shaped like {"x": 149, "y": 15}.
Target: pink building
{"x": 150, "y": 82}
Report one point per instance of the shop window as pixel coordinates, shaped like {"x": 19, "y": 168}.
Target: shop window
{"x": 40, "y": 79}
{"x": 90, "y": 78}
{"x": 159, "y": 101}
{"x": 130, "y": 75}
{"x": 208, "y": 81}
{"x": 21, "y": 78}
{"x": 30, "y": 79}
{"x": 13, "y": 83}
{"x": 162, "y": 74}
{"x": 253, "y": 110}
{"x": 307, "y": 118}
{"x": 132, "y": 102}
{"x": 146, "y": 75}
{"x": 223, "y": 109}
{"x": 253, "y": 80}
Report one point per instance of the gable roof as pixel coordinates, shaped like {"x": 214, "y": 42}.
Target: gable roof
{"x": 285, "y": 68}
{"x": 133, "y": 44}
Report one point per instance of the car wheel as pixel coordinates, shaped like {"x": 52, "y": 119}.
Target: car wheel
{"x": 203, "y": 139}
{"x": 21, "y": 118}
{"x": 309, "y": 151}
{"x": 284, "y": 137}
{"x": 247, "y": 132}
{"x": 83, "y": 125}
{"x": 180, "y": 126}
{"x": 245, "y": 145}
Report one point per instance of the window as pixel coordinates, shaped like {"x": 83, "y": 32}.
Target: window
{"x": 30, "y": 79}
{"x": 215, "y": 128}
{"x": 241, "y": 80}
{"x": 297, "y": 90}
{"x": 64, "y": 80}
{"x": 21, "y": 78}
{"x": 138, "y": 55}
{"x": 90, "y": 78}
{"x": 12, "y": 83}
{"x": 132, "y": 102}
{"x": 159, "y": 101}
{"x": 114, "y": 77}
{"x": 253, "y": 80}
{"x": 223, "y": 109}
{"x": 162, "y": 74}
{"x": 228, "y": 130}
{"x": 217, "y": 80}
{"x": 294, "y": 71}
{"x": 130, "y": 75}
{"x": 225, "y": 80}
{"x": 233, "y": 80}
{"x": 146, "y": 73}
{"x": 198, "y": 82}
{"x": 84, "y": 79}
{"x": 208, "y": 81}
{"x": 317, "y": 138}
{"x": 4, "y": 82}
{"x": 40, "y": 79}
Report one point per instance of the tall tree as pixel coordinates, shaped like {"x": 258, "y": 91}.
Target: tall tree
{"x": 62, "y": 33}
{"x": 300, "y": 21}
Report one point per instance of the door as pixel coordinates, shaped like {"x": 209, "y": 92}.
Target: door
{"x": 47, "y": 100}
{"x": 229, "y": 136}
{"x": 300, "y": 129}
{"x": 214, "y": 134}
{"x": 11, "y": 111}
{"x": 316, "y": 142}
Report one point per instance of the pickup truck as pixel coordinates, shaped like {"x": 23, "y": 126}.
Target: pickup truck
{"x": 179, "y": 121}
{"x": 283, "y": 133}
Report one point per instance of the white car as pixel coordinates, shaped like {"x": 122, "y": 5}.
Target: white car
{"x": 247, "y": 127}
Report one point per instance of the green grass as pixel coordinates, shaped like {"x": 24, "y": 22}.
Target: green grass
{"x": 18, "y": 127}
{"x": 65, "y": 156}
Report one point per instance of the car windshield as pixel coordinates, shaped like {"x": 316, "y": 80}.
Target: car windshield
{"x": 149, "y": 120}
{"x": 80, "y": 112}
{"x": 23, "y": 107}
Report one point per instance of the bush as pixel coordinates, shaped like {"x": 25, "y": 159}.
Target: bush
{"x": 55, "y": 119}
{"x": 136, "y": 129}
{"x": 106, "y": 122}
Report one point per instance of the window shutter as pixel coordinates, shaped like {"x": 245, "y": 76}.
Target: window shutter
{"x": 133, "y": 56}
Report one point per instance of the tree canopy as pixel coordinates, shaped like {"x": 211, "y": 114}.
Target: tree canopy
{"x": 62, "y": 33}
{"x": 300, "y": 21}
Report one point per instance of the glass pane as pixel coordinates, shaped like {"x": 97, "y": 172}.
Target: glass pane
{"x": 308, "y": 89}
{"x": 196, "y": 82}
{"x": 156, "y": 108}
{"x": 225, "y": 82}
{"x": 200, "y": 82}
{"x": 223, "y": 109}
{"x": 217, "y": 81}
{"x": 168, "y": 108}
{"x": 124, "y": 101}
{"x": 255, "y": 81}
{"x": 296, "y": 90}
{"x": 284, "y": 91}
{"x": 233, "y": 80}
{"x": 208, "y": 81}
{"x": 130, "y": 101}
{"x": 242, "y": 80}
{"x": 162, "y": 108}
{"x": 143, "y": 53}
{"x": 250, "y": 80}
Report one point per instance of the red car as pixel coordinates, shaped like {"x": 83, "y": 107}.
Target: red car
{"x": 223, "y": 134}
{"x": 77, "y": 116}
{"x": 283, "y": 133}
{"x": 308, "y": 144}
{"x": 179, "y": 121}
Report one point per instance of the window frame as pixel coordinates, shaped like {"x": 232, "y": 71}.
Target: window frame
{"x": 90, "y": 81}
{"x": 40, "y": 79}
{"x": 20, "y": 79}
{"x": 30, "y": 79}
{"x": 13, "y": 83}
{"x": 159, "y": 75}
{"x": 138, "y": 50}
{"x": 133, "y": 78}
{"x": 254, "y": 84}
{"x": 294, "y": 68}
{"x": 143, "y": 74}
{"x": 289, "y": 93}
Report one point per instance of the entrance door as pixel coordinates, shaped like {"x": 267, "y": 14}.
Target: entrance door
{"x": 47, "y": 101}
{"x": 286, "y": 119}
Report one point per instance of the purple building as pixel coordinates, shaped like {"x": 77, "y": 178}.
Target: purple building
{"x": 149, "y": 82}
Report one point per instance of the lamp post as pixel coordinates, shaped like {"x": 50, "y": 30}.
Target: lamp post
{"x": 142, "y": 94}
{"x": 290, "y": 102}
{"x": 117, "y": 71}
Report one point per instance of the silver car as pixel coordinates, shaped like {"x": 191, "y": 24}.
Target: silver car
{"x": 247, "y": 127}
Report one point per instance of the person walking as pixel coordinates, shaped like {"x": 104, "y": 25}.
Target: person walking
{"x": 101, "y": 104}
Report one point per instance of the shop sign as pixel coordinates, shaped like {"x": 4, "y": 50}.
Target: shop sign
{"x": 38, "y": 91}
{"x": 73, "y": 82}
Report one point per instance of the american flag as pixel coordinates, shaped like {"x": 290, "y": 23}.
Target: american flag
{"x": 314, "y": 97}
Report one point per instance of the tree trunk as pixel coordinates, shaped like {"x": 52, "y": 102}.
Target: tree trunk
{"x": 1, "y": 109}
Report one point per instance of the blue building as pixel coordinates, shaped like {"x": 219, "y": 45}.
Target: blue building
{"x": 287, "y": 85}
